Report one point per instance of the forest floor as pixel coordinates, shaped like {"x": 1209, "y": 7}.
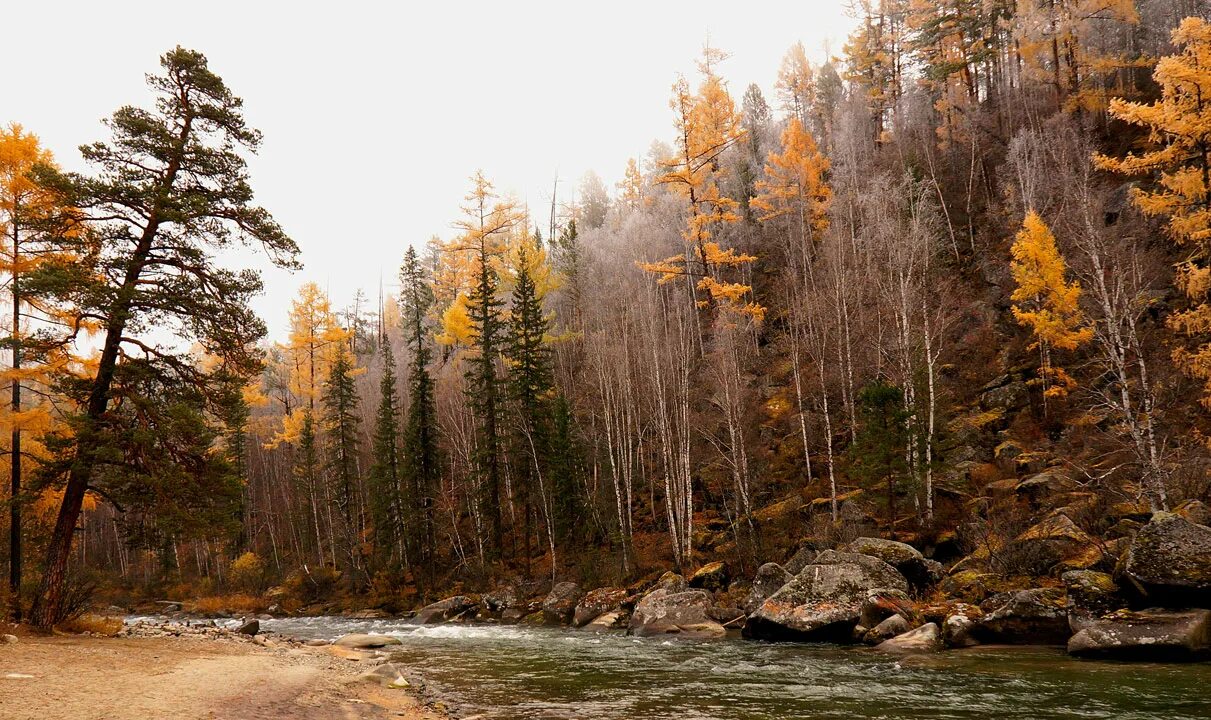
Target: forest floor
{"x": 134, "y": 678}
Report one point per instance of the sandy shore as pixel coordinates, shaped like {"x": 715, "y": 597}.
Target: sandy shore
{"x": 137, "y": 678}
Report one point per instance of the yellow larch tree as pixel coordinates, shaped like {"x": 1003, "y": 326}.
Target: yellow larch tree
{"x": 794, "y": 187}
{"x": 707, "y": 125}
{"x": 1179, "y": 132}
{"x": 308, "y": 354}
{"x": 875, "y": 56}
{"x": 26, "y": 208}
{"x": 796, "y": 85}
{"x": 1046, "y": 302}
{"x": 630, "y": 190}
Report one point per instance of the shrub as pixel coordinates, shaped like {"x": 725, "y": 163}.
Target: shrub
{"x": 247, "y": 573}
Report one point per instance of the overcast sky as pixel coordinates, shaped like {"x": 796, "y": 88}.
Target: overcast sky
{"x": 375, "y": 114}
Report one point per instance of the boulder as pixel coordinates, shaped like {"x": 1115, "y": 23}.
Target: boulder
{"x": 8, "y": 639}
{"x": 1153, "y": 634}
{"x": 362, "y": 641}
{"x": 597, "y": 603}
{"x": 887, "y": 629}
{"x": 1027, "y": 617}
{"x": 1010, "y": 396}
{"x": 1056, "y": 541}
{"x": 956, "y": 628}
{"x": 606, "y": 621}
{"x": 769, "y": 580}
{"x": 881, "y": 604}
{"x": 368, "y": 614}
{"x": 1169, "y": 562}
{"x": 685, "y": 614}
{"x": 499, "y": 599}
{"x": 448, "y": 609}
{"x": 712, "y": 576}
{"x": 560, "y": 603}
{"x": 925, "y": 639}
{"x": 824, "y": 601}
{"x": 1048, "y": 483}
{"x": 670, "y": 582}
{"x": 920, "y": 572}
{"x": 1090, "y": 595}
{"x": 1194, "y": 511}
{"x": 251, "y": 627}
{"x": 969, "y": 585}
{"x": 803, "y": 557}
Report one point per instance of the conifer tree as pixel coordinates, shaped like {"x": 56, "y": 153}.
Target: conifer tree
{"x": 422, "y": 461}
{"x": 794, "y": 187}
{"x": 386, "y": 487}
{"x": 341, "y": 423}
{"x": 877, "y": 454}
{"x": 1046, "y": 302}
{"x": 172, "y": 189}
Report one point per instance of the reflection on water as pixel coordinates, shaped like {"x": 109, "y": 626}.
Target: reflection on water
{"x": 510, "y": 673}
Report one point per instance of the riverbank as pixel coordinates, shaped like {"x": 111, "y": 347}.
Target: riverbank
{"x": 189, "y": 676}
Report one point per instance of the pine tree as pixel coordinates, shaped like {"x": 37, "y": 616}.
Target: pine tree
{"x": 1180, "y": 162}
{"x": 341, "y": 421}
{"x": 1046, "y": 302}
{"x": 421, "y": 469}
{"x": 386, "y": 487}
{"x": 172, "y": 190}
{"x": 877, "y": 454}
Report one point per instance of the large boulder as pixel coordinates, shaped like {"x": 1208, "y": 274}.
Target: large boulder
{"x": 824, "y": 601}
{"x": 448, "y": 609}
{"x": 685, "y": 614}
{"x": 1153, "y": 634}
{"x": 597, "y": 603}
{"x": 1027, "y": 617}
{"x": 669, "y": 582}
{"x": 920, "y": 572}
{"x": 560, "y": 603}
{"x": 881, "y": 604}
{"x": 498, "y": 600}
{"x": 1090, "y": 595}
{"x": 712, "y": 576}
{"x": 803, "y": 557}
{"x": 769, "y": 580}
{"x": 1054, "y": 542}
{"x": 958, "y": 624}
{"x": 363, "y": 641}
{"x": 1169, "y": 563}
{"x": 925, "y": 639}
{"x": 886, "y": 629}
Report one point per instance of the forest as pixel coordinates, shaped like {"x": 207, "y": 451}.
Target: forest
{"x": 938, "y": 288}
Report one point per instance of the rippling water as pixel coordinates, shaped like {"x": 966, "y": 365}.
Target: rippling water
{"x": 511, "y": 673}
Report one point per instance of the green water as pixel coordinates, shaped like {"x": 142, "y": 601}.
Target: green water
{"x": 511, "y": 673}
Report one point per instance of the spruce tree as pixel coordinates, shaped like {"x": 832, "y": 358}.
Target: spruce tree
{"x": 422, "y": 461}
{"x": 878, "y": 452}
{"x": 341, "y": 426}
{"x": 485, "y": 310}
{"x": 386, "y": 497}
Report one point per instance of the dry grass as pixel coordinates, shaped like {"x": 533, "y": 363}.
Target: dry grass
{"x": 90, "y": 623}
{"x": 238, "y": 602}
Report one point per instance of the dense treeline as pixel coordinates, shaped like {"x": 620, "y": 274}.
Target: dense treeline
{"x": 941, "y": 261}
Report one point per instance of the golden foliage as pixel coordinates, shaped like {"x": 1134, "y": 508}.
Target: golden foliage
{"x": 794, "y": 184}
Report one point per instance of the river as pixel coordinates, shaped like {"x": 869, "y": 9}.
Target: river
{"x": 516, "y": 673}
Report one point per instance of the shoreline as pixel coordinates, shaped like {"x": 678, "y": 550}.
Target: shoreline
{"x": 181, "y": 673}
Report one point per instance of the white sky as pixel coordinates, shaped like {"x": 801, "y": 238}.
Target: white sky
{"x": 375, "y": 114}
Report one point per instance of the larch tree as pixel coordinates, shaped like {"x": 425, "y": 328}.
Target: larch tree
{"x": 1179, "y": 128}
{"x": 796, "y": 86}
{"x": 26, "y": 206}
{"x": 1046, "y": 301}
{"x": 172, "y": 189}
{"x": 794, "y": 187}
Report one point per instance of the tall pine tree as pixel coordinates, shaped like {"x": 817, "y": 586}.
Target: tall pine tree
{"x": 341, "y": 426}
{"x": 386, "y": 488}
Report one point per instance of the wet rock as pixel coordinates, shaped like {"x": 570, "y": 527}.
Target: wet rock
{"x": 1169, "y": 562}
{"x": 499, "y": 599}
{"x": 925, "y": 639}
{"x": 1027, "y": 617}
{"x": 685, "y": 614}
{"x": 956, "y": 628}
{"x": 886, "y": 630}
{"x": 448, "y": 609}
{"x": 920, "y": 572}
{"x": 597, "y": 603}
{"x": 769, "y": 580}
{"x": 369, "y": 614}
{"x": 363, "y": 641}
{"x": 880, "y": 604}
{"x": 712, "y": 576}
{"x": 605, "y": 622}
{"x": 1054, "y": 542}
{"x": 389, "y": 675}
{"x": 251, "y": 627}
{"x": 1153, "y": 634}
{"x": 560, "y": 603}
{"x": 824, "y": 601}
{"x": 1090, "y": 595}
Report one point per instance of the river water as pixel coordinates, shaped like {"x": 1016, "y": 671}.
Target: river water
{"x": 516, "y": 673}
